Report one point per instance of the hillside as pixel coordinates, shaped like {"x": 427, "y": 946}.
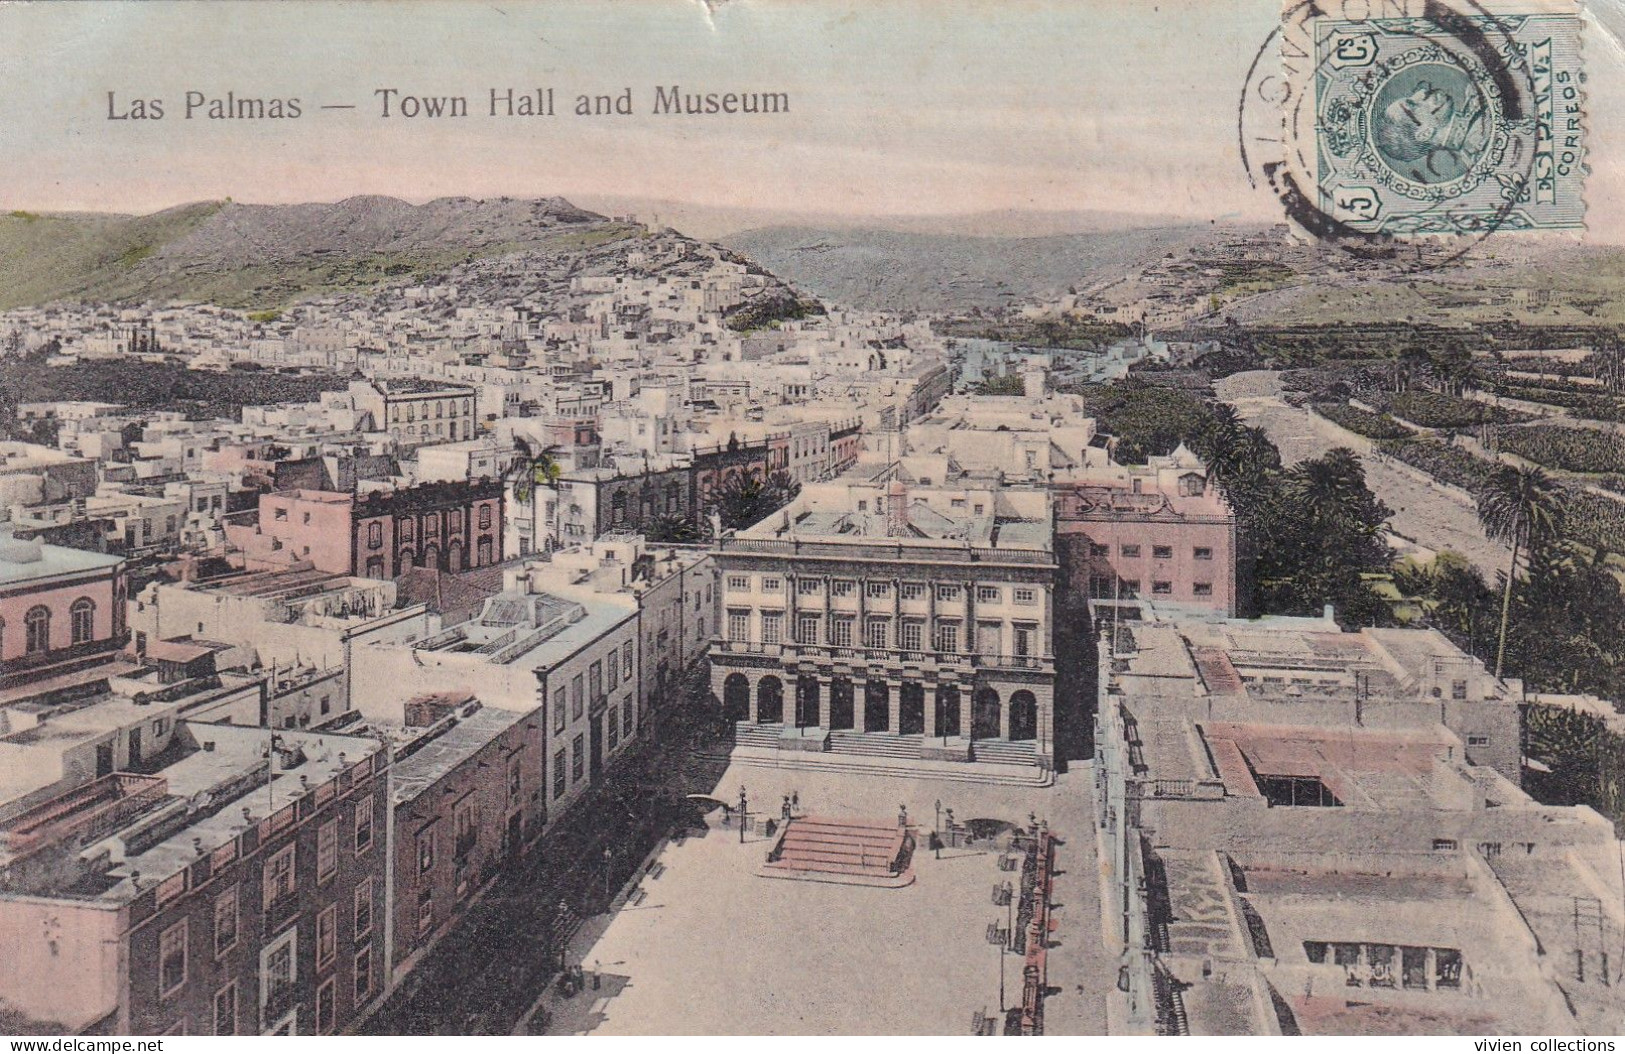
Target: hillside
{"x": 264, "y": 256}
{"x": 895, "y": 270}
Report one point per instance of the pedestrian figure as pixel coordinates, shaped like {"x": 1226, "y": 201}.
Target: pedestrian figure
{"x": 795, "y": 801}
{"x": 596, "y": 973}
{"x": 785, "y": 811}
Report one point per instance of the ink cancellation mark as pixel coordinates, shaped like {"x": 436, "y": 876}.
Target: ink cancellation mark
{"x": 1430, "y": 121}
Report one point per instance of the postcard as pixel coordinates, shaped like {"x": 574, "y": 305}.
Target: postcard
{"x": 812, "y": 518}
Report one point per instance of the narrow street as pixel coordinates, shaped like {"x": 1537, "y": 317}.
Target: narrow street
{"x": 488, "y": 969}
{"x": 1421, "y": 510}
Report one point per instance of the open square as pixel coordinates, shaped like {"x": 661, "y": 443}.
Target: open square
{"x": 713, "y": 947}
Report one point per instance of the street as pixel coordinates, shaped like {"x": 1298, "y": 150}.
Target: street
{"x": 486, "y": 971}
{"x": 1420, "y": 510}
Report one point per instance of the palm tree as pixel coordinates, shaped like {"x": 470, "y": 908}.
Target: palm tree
{"x": 533, "y": 470}
{"x": 1521, "y": 507}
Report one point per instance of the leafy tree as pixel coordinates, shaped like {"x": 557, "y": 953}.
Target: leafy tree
{"x": 1454, "y": 597}
{"x": 1453, "y": 366}
{"x": 534, "y": 469}
{"x": 1412, "y": 365}
{"x": 670, "y": 528}
{"x": 1523, "y": 508}
{"x": 748, "y": 498}
{"x": 1324, "y": 530}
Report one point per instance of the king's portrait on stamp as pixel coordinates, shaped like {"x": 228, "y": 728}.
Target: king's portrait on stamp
{"x": 1429, "y": 123}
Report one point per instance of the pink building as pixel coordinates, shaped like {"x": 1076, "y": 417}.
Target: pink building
{"x": 452, "y": 526}
{"x": 1161, "y": 532}
{"x": 60, "y": 608}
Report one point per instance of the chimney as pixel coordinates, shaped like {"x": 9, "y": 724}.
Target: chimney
{"x": 897, "y": 509}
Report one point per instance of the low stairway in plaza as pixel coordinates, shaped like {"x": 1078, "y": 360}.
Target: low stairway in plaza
{"x": 875, "y": 745}
{"x": 1005, "y": 751}
{"x": 856, "y": 852}
{"x": 764, "y": 736}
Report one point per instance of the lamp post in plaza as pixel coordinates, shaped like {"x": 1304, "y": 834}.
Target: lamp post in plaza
{"x": 744, "y": 804}
{"x": 1002, "y": 946}
{"x": 609, "y": 856}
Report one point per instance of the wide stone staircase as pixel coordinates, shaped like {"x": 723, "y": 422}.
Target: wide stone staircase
{"x": 841, "y": 850}
{"x": 764, "y": 736}
{"x": 875, "y": 745}
{"x": 1005, "y": 751}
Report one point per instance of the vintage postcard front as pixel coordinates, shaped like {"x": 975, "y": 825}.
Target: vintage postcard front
{"x": 807, "y": 517}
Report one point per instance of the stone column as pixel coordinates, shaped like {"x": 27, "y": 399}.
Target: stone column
{"x": 1004, "y": 714}
{"x": 823, "y": 700}
{"x": 894, "y": 706}
{"x": 967, "y": 700}
{"x": 754, "y": 698}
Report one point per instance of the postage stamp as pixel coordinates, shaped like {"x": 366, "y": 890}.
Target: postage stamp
{"x": 1450, "y": 125}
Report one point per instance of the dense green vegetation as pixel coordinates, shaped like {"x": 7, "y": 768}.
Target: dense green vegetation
{"x": 768, "y": 311}
{"x": 1587, "y": 761}
{"x": 1009, "y": 384}
{"x": 749, "y": 498}
{"x": 1432, "y": 409}
{"x": 155, "y": 386}
{"x": 1570, "y": 449}
{"x": 1066, "y": 331}
{"x": 1315, "y": 529}
{"x": 1363, "y": 422}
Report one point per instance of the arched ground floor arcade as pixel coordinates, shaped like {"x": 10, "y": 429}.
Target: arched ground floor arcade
{"x": 982, "y": 718}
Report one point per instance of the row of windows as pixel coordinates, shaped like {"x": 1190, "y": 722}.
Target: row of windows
{"x": 440, "y": 407}
{"x": 465, "y": 432}
{"x": 405, "y": 530}
{"x": 1131, "y": 551}
{"x": 880, "y": 590}
{"x": 37, "y": 626}
{"x": 603, "y": 676}
{"x": 877, "y": 633}
{"x": 1102, "y": 587}
{"x": 175, "y": 951}
{"x": 577, "y": 760}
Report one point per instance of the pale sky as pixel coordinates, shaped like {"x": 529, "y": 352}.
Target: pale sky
{"x": 923, "y": 107}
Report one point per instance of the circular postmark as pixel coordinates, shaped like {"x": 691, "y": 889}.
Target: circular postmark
{"x": 1409, "y": 127}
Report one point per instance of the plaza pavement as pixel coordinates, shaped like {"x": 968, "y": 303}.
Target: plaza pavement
{"x": 713, "y": 948}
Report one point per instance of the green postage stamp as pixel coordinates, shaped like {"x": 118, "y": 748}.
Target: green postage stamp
{"x": 1450, "y": 123}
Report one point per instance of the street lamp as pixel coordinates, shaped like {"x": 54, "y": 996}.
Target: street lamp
{"x": 609, "y": 855}
{"x": 1001, "y": 974}
{"x": 744, "y": 805}
{"x": 938, "y": 827}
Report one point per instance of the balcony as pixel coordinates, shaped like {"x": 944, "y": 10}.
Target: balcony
{"x": 888, "y": 549}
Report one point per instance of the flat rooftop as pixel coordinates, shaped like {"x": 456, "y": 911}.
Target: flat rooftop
{"x": 25, "y": 561}
{"x": 424, "y": 757}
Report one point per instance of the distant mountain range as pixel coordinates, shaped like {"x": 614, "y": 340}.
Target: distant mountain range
{"x": 260, "y": 256}
{"x": 900, "y": 270}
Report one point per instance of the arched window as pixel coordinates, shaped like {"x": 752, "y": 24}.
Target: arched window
{"x": 375, "y": 534}
{"x": 485, "y": 517}
{"x": 38, "y": 624}
{"x": 617, "y": 506}
{"x": 82, "y": 619}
